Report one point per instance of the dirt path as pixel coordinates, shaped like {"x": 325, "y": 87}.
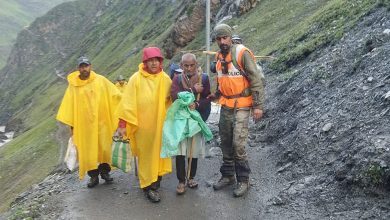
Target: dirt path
{"x": 63, "y": 196}
{"x": 124, "y": 200}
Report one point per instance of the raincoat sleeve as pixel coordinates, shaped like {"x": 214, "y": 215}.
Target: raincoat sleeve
{"x": 66, "y": 110}
{"x": 116, "y": 96}
{"x": 127, "y": 110}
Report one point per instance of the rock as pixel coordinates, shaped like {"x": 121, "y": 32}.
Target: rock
{"x": 213, "y": 152}
{"x": 278, "y": 201}
{"x": 261, "y": 138}
{"x": 209, "y": 183}
{"x": 340, "y": 174}
{"x": 386, "y": 31}
{"x": 307, "y": 180}
{"x": 3, "y": 137}
{"x": 253, "y": 144}
{"x": 387, "y": 95}
{"x": 283, "y": 168}
{"x": 383, "y": 164}
{"x": 327, "y": 127}
{"x": 370, "y": 79}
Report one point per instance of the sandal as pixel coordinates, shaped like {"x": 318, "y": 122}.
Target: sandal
{"x": 181, "y": 189}
{"x": 192, "y": 183}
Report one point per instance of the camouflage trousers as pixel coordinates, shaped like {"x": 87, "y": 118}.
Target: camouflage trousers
{"x": 233, "y": 141}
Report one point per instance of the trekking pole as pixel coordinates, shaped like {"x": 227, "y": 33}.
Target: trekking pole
{"x": 135, "y": 166}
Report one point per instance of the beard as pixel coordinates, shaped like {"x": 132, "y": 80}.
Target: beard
{"x": 224, "y": 48}
{"x": 84, "y": 74}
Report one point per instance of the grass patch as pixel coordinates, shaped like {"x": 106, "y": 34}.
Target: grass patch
{"x": 376, "y": 175}
{"x": 327, "y": 25}
{"x": 27, "y": 160}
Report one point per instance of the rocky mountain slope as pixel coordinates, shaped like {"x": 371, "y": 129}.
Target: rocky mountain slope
{"x": 14, "y": 16}
{"x": 329, "y": 122}
{"x": 326, "y": 121}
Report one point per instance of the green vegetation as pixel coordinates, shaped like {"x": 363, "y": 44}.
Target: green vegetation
{"x": 376, "y": 174}
{"x": 28, "y": 158}
{"x": 14, "y": 15}
{"x": 292, "y": 30}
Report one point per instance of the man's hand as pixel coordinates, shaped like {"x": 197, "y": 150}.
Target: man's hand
{"x": 192, "y": 106}
{"x": 121, "y": 131}
{"x": 198, "y": 87}
{"x": 257, "y": 114}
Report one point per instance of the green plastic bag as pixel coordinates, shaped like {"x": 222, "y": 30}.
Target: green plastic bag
{"x": 121, "y": 154}
{"x": 181, "y": 122}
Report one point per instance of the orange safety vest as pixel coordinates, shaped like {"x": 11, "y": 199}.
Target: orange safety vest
{"x": 233, "y": 84}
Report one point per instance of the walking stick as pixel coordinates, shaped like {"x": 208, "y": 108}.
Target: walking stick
{"x": 193, "y": 139}
{"x": 135, "y": 166}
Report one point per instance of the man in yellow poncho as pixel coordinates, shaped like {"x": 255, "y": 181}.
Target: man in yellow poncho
{"x": 88, "y": 107}
{"x": 142, "y": 113}
{"x": 121, "y": 83}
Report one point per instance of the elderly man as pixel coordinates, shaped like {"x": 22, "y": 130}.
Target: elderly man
{"x": 142, "y": 112}
{"x": 88, "y": 107}
{"x": 197, "y": 83}
{"x": 240, "y": 91}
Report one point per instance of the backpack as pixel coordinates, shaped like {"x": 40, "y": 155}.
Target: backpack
{"x": 237, "y": 66}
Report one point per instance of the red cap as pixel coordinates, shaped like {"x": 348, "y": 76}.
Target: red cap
{"x": 151, "y": 52}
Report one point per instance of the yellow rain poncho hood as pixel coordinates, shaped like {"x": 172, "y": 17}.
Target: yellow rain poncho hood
{"x": 89, "y": 106}
{"x": 143, "y": 107}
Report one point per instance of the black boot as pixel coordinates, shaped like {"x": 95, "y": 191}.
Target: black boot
{"x": 223, "y": 182}
{"x": 241, "y": 189}
{"x": 93, "y": 181}
{"x": 104, "y": 170}
{"x": 107, "y": 177}
{"x": 156, "y": 185}
{"x": 152, "y": 195}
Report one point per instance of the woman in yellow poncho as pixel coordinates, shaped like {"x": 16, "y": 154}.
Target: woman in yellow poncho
{"x": 142, "y": 113}
{"x": 88, "y": 107}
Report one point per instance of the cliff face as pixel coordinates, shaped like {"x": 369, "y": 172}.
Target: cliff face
{"x": 14, "y": 16}
{"x": 191, "y": 20}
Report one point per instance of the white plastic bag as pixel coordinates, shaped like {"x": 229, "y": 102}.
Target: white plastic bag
{"x": 71, "y": 156}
